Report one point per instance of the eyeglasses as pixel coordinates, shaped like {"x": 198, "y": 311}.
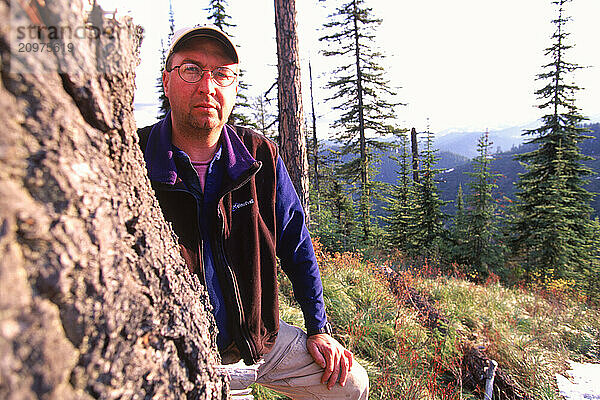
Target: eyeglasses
{"x": 192, "y": 73}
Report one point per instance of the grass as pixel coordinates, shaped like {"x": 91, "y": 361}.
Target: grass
{"x": 531, "y": 334}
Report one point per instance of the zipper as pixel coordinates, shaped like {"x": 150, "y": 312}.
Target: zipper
{"x": 244, "y": 331}
{"x": 202, "y": 274}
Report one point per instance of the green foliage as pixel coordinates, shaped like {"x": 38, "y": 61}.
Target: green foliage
{"x": 242, "y": 106}
{"x": 343, "y": 220}
{"x": 218, "y": 15}
{"x": 510, "y": 168}
{"x": 360, "y": 95}
{"x": 476, "y": 236}
{"x": 263, "y": 393}
{"x": 396, "y": 351}
{"x": 401, "y": 204}
{"x": 334, "y": 221}
{"x": 415, "y": 224}
{"x": 589, "y": 283}
{"x": 529, "y": 333}
{"x": 459, "y": 234}
{"x": 552, "y": 227}
{"x": 165, "y": 106}
{"x": 429, "y": 234}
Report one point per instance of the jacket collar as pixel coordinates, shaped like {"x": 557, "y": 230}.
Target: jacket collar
{"x": 159, "y": 153}
{"x": 237, "y": 158}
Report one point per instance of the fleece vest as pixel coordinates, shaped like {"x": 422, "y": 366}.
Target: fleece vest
{"x": 243, "y": 238}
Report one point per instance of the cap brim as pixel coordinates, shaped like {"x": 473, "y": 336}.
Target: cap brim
{"x": 184, "y": 35}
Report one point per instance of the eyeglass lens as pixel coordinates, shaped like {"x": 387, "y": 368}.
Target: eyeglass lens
{"x": 192, "y": 73}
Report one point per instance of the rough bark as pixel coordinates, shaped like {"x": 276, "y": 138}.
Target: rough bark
{"x": 95, "y": 301}
{"x": 292, "y": 140}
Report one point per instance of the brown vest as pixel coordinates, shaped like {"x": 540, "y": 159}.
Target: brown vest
{"x": 243, "y": 241}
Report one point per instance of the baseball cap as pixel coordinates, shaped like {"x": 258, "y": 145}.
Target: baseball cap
{"x": 185, "y": 34}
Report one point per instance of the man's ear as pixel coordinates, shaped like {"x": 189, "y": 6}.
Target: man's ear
{"x": 165, "y": 81}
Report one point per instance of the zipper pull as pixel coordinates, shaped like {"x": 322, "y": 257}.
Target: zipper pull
{"x": 201, "y": 263}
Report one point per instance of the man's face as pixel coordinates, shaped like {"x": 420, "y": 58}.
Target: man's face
{"x": 204, "y": 104}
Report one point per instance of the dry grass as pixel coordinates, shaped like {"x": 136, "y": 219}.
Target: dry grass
{"x": 531, "y": 334}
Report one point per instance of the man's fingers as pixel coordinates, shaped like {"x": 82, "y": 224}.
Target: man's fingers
{"x": 329, "y": 365}
{"x": 332, "y": 357}
{"x": 326, "y": 375}
{"x": 350, "y": 358}
{"x": 315, "y": 352}
{"x": 336, "y": 372}
{"x": 344, "y": 369}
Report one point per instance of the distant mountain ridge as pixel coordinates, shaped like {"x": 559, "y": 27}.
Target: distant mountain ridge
{"x": 387, "y": 167}
{"x": 505, "y": 164}
{"x": 503, "y": 140}
{"x": 465, "y": 143}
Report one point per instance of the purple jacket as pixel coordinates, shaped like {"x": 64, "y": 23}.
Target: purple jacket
{"x": 256, "y": 217}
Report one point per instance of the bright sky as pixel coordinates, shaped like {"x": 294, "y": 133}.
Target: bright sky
{"x": 462, "y": 64}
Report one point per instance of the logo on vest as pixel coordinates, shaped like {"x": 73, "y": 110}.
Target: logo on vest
{"x": 237, "y": 206}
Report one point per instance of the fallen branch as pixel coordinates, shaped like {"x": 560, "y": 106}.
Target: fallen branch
{"x": 475, "y": 363}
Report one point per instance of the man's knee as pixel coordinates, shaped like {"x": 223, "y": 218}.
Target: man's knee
{"x": 357, "y": 384}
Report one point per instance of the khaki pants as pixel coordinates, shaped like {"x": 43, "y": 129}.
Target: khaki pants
{"x": 289, "y": 369}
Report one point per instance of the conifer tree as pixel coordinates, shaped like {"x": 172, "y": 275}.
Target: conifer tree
{"x": 165, "y": 106}
{"x": 482, "y": 247}
{"x": 342, "y": 210}
{"x": 400, "y": 221}
{"x": 338, "y": 227}
{"x": 552, "y": 226}
{"x": 218, "y": 17}
{"x": 460, "y": 230}
{"x": 429, "y": 234}
{"x": 361, "y": 96}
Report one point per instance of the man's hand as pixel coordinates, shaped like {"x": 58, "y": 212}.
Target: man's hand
{"x": 330, "y": 355}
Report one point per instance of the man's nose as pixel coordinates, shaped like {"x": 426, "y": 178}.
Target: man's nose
{"x": 206, "y": 83}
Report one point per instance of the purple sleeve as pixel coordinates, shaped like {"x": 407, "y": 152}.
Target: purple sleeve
{"x": 295, "y": 250}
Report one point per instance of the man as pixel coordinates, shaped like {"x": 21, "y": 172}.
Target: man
{"x": 232, "y": 204}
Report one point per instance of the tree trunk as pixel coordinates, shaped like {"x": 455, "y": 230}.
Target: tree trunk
{"x": 95, "y": 300}
{"x": 317, "y": 188}
{"x": 365, "y": 196}
{"x": 292, "y": 141}
{"x": 415, "y": 154}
